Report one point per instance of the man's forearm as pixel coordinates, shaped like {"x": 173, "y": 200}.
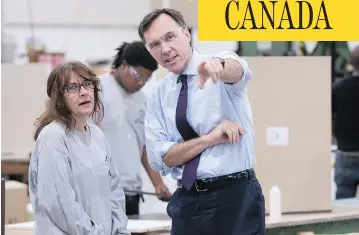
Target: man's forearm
{"x": 233, "y": 71}
{"x": 181, "y": 153}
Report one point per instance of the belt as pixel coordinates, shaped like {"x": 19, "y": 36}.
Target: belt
{"x": 350, "y": 154}
{"x": 203, "y": 185}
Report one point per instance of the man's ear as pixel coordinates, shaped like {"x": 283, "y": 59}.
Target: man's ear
{"x": 188, "y": 35}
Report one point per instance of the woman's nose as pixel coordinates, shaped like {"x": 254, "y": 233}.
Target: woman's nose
{"x": 83, "y": 91}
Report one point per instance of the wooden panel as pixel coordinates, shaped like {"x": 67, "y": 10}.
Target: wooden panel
{"x": 23, "y": 99}
{"x": 294, "y": 93}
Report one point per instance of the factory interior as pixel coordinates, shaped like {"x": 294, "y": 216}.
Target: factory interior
{"x": 290, "y": 94}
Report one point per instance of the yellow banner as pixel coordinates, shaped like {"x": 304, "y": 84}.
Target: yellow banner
{"x": 280, "y": 20}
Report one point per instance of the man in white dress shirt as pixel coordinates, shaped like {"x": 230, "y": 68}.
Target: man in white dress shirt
{"x": 123, "y": 122}
{"x": 194, "y": 132}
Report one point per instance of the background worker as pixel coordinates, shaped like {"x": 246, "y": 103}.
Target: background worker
{"x": 345, "y": 108}
{"x": 123, "y": 122}
{"x": 194, "y": 131}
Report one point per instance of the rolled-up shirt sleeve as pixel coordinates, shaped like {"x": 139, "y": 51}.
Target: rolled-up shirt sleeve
{"x": 157, "y": 143}
{"x": 239, "y": 88}
{"x": 56, "y": 197}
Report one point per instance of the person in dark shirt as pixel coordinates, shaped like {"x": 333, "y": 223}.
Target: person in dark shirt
{"x": 345, "y": 112}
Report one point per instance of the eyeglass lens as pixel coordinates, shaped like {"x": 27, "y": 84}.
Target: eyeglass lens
{"x": 74, "y": 88}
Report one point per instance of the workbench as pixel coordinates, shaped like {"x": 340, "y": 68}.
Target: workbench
{"x": 344, "y": 218}
{"x": 144, "y": 227}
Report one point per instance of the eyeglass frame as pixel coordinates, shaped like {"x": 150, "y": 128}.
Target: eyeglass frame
{"x": 66, "y": 88}
{"x": 162, "y": 40}
{"x": 136, "y": 75}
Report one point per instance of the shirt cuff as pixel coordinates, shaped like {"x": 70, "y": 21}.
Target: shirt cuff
{"x": 165, "y": 170}
{"x": 238, "y": 87}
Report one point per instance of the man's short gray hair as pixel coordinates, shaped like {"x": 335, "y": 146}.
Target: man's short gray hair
{"x": 152, "y": 16}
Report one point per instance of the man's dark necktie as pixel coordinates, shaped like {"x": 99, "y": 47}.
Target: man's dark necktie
{"x": 190, "y": 169}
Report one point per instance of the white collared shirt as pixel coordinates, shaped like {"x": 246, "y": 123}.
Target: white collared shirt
{"x": 206, "y": 109}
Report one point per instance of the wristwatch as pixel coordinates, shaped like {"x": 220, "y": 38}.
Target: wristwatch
{"x": 220, "y": 60}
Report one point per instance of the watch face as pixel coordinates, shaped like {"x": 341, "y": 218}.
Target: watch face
{"x": 221, "y": 60}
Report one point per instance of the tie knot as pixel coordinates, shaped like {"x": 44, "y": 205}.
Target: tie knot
{"x": 181, "y": 78}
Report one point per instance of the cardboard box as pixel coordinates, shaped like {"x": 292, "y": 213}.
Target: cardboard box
{"x": 16, "y": 199}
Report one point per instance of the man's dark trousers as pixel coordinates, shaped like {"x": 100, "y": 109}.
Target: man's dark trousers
{"x": 133, "y": 204}
{"x": 235, "y": 209}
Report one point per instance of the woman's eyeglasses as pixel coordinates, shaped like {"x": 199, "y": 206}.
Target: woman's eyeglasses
{"x": 74, "y": 88}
